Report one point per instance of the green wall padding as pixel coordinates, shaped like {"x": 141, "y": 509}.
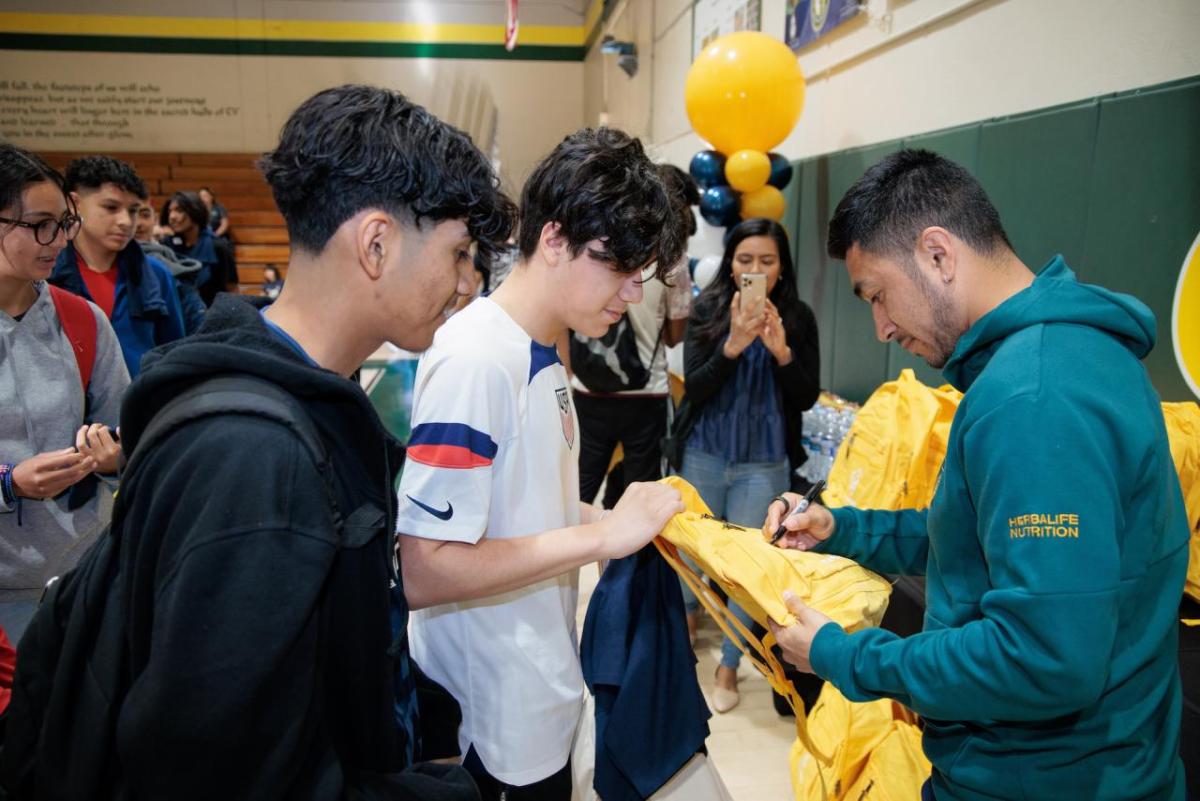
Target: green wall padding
{"x": 1112, "y": 183}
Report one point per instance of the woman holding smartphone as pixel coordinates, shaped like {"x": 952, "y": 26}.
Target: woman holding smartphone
{"x": 751, "y": 367}
{"x": 56, "y": 436}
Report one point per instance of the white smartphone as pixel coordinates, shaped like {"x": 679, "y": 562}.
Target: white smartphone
{"x": 754, "y": 292}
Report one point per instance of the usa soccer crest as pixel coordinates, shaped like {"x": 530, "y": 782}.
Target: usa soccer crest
{"x": 564, "y": 414}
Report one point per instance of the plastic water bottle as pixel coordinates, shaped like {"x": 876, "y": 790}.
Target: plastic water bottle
{"x": 825, "y": 427}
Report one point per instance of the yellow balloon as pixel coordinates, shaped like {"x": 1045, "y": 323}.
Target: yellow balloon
{"x": 766, "y": 202}
{"x": 744, "y": 91}
{"x": 747, "y": 170}
{"x": 1185, "y": 319}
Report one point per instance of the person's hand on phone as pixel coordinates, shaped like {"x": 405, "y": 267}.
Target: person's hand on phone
{"x": 97, "y": 442}
{"x": 48, "y": 474}
{"x": 774, "y": 336}
{"x": 642, "y": 512}
{"x": 744, "y": 327}
{"x": 805, "y": 530}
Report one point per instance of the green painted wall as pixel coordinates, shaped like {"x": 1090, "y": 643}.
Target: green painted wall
{"x": 1112, "y": 183}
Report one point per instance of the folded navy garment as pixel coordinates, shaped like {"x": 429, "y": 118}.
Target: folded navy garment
{"x": 638, "y": 663}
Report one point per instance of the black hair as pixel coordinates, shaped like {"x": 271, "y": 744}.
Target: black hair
{"x": 19, "y": 169}
{"x": 190, "y": 204}
{"x": 710, "y": 318}
{"x": 361, "y": 147}
{"x": 92, "y": 172}
{"x": 484, "y": 264}
{"x": 905, "y": 193}
{"x": 683, "y": 190}
{"x": 599, "y": 184}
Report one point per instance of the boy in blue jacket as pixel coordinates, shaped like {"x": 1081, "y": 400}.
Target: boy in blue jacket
{"x": 105, "y": 265}
{"x": 1055, "y": 547}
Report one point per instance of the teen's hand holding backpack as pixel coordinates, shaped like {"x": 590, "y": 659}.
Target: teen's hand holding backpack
{"x": 639, "y": 516}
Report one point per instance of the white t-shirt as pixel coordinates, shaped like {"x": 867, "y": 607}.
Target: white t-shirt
{"x": 659, "y": 304}
{"x": 493, "y": 453}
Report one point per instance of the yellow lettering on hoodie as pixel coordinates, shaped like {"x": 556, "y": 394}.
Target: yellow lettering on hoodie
{"x": 1038, "y": 525}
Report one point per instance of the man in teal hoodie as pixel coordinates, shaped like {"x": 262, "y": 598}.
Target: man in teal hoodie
{"x": 1055, "y": 547}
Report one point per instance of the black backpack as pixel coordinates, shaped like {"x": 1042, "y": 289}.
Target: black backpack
{"x": 71, "y": 675}
{"x": 611, "y": 363}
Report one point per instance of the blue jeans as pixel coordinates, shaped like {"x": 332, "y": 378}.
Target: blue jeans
{"x": 739, "y": 493}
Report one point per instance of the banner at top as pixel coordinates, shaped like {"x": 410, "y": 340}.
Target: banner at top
{"x": 808, "y": 20}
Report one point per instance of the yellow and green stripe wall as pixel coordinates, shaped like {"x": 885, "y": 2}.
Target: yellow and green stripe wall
{"x": 439, "y": 37}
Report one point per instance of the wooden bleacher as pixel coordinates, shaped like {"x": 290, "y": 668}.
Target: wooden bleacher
{"x": 257, "y": 229}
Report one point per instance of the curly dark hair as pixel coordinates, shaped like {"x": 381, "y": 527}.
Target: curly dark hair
{"x": 598, "y": 184}
{"x": 357, "y": 147}
{"x": 92, "y": 172}
{"x": 190, "y": 204}
{"x": 683, "y": 190}
{"x": 906, "y": 192}
{"x": 18, "y": 169}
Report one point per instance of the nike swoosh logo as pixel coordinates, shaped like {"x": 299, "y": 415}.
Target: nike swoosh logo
{"x": 440, "y": 515}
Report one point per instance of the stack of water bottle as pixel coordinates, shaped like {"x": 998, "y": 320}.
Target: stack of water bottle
{"x": 825, "y": 426}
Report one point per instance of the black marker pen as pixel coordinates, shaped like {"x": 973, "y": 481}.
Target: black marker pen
{"x": 808, "y": 498}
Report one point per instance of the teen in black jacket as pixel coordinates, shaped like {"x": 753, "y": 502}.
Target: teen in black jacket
{"x": 246, "y": 617}
{"x": 266, "y": 654}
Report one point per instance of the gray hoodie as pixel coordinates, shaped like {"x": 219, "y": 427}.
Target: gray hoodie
{"x": 178, "y": 265}
{"x": 42, "y": 402}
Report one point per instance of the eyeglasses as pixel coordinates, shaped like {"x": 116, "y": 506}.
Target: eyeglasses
{"x": 46, "y": 231}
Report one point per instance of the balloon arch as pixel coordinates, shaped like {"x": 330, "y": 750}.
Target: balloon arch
{"x": 744, "y": 95}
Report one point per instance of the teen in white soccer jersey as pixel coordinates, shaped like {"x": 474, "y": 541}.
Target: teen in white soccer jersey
{"x": 491, "y": 528}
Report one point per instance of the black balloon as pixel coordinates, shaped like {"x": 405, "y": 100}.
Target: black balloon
{"x": 720, "y": 206}
{"x": 781, "y": 171}
{"x": 708, "y": 168}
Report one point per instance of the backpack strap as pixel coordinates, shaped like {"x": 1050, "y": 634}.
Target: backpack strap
{"x": 757, "y": 651}
{"x": 79, "y": 324}
{"x": 239, "y": 394}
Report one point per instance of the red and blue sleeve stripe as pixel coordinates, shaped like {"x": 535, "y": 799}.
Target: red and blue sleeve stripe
{"x": 453, "y": 445}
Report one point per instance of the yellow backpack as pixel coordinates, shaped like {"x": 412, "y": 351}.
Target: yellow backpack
{"x": 893, "y": 452}
{"x": 875, "y": 751}
{"x": 1183, "y": 431}
{"x": 755, "y": 574}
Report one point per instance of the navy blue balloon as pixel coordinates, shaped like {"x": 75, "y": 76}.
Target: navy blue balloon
{"x": 708, "y": 168}
{"x": 720, "y": 206}
{"x": 781, "y": 171}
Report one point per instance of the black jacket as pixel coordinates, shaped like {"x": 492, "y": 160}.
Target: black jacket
{"x": 259, "y": 649}
{"x": 706, "y": 369}
{"x": 217, "y": 255}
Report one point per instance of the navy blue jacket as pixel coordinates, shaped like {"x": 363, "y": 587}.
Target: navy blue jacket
{"x": 640, "y": 667}
{"x": 145, "y": 307}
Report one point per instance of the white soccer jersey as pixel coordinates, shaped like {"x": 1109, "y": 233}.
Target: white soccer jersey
{"x": 493, "y": 453}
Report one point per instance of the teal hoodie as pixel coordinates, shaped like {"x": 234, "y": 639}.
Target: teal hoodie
{"x": 1054, "y": 552}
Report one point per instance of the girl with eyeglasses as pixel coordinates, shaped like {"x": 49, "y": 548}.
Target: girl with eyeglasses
{"x": 59, "y": 452}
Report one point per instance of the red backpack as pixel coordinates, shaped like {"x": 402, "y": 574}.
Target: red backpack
{"x": 79, "y": 324}
{"x": 8, "y": 664}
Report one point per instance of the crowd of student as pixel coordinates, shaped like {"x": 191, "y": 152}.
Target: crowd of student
{"x": 272, "y": 616}
{"x": 146, "y": 285}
